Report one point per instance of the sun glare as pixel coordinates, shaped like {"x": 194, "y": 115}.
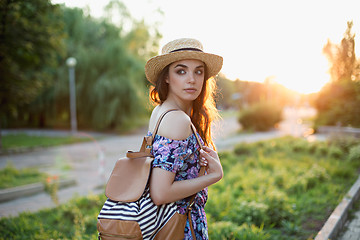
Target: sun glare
{"x": 301, "y": 75}
{"x": 283, "y": 39}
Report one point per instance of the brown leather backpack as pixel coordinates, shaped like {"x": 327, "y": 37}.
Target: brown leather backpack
{"x": 129, "y": 212}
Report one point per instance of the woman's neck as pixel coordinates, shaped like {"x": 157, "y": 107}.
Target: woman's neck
{"x": 176, "y": 104}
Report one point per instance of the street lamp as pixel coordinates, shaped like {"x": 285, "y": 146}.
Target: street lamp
{"x": 71, "y": 63}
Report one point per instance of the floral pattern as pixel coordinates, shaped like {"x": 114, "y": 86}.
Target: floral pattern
{"x": 182, "y": 158}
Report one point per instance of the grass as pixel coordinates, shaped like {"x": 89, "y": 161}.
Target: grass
{"x": 12, "y": 177}
{"x": 13, "y": 141}
{"x": 272, "y": 190}
{"x": 286, "y": 187}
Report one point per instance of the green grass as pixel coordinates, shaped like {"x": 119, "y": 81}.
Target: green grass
{"x": 281, "y": 189}
{"x": 12, "y": 177}
{"x": 287, "y": 187}
{"x": 22, "y": 140}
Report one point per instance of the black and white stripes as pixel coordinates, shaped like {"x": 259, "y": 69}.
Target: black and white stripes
{"x": 151, "y": 218}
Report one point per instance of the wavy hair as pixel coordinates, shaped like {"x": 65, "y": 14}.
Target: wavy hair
{"x": 204, "y": 109}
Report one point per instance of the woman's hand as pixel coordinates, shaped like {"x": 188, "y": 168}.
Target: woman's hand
{"x": 210, "y": 159}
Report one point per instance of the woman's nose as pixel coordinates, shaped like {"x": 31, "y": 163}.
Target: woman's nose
{"x": 191, "y": 78}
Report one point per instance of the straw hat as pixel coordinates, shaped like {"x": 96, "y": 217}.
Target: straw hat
{"x": 181, "y": 49}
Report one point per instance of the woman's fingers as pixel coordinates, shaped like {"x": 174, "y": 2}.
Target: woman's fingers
{"x": 203, "y": 162}
{"x": 212, "y": 160}
{"x": 210, "y": 151}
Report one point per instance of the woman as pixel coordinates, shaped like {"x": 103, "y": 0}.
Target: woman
{"x": 183, "y": 80}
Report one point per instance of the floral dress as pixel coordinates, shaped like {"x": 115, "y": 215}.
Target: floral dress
{"x": 182, "y": 158}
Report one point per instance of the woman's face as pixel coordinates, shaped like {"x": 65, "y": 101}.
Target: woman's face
{"x": 185, "y": 79}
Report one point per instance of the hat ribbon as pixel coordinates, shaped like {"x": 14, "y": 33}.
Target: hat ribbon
{"x": 186, "y": 49}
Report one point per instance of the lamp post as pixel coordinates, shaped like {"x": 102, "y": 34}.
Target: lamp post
{"x": 71, "y": 63}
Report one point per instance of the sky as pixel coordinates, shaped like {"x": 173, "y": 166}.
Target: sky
{"x": 281, "y": 40}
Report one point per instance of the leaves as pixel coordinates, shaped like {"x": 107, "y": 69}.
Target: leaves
{"x": 31, "y": 39}
{"x": 111, "y": 88}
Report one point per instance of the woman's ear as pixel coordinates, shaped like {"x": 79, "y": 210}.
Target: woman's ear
{"x": 167, "y": 78}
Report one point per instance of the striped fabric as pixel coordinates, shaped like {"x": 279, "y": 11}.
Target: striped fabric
{"x": 151, "y": 218}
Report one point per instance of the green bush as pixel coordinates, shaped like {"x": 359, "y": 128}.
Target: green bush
{"x": 229, "y": 231}
{"x": 261, "y": 116}
{"x": 73, "y": 220}
{"x": 335, "y": 152}
{"x": 248, "y": 212}
{"x": 354, "y": 153}
{"x": 338, "y": 102}
{"x": 12, "y": 177}
{"x": 343, "y": 142}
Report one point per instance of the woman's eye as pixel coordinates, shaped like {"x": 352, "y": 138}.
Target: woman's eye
{"x": 181, "y": 71}
{"x": 199, "y": 72}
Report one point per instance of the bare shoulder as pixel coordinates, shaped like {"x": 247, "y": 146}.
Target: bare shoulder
{"x": 175, "y": 125}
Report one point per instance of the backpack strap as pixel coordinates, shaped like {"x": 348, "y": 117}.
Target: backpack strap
{"x": 146, "y": 151}
{"x": 146, "y": 146}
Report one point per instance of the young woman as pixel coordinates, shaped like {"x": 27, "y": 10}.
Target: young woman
{"x": 183, "y": 80}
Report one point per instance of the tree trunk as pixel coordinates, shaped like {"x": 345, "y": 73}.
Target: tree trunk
{"x": 0, "y": 137}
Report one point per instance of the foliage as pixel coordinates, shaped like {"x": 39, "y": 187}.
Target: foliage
{"x": 225, "y": 97}
{"x": 280, "y": 189}
{"x": 261, "y": 116}
{"x": 338, "y": 102}
{"x": 51, "y": 187}
{"x": 12, "y": 177}
{"x": 73, "y": 220}
{"x": 286, "y": 187}
{"x": 31, "y": 39}
{"x": 239, "y": 94}
{"x": 354, "y": 153}
{"x": 250, "y": 93}
{"x": 342, "y": 59}
{"x": 229, "y": 231}
{"x": 13, "y": 141}
{"x": 110, "y": 77}
{"x": 111, "y": 88}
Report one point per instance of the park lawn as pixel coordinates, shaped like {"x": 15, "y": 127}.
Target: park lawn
{"x": 272, "y": 190}
{"x": 13, "y": 141}
{"x": 11, "y": 177}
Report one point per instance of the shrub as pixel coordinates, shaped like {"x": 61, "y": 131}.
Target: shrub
{"x": 342, "y": 141}
{"x": 10, "y": 176}
{"x": 249, "y": 212}
{"x": 309, "y": 179}
{"x": 335, "y": 152}
{"x": 261, "y": 116}
{"x": 279, "y": 208}
{"x": 354, "y": 153}
{"x": 242, "y": 149}
{"x": 224, "y": 230}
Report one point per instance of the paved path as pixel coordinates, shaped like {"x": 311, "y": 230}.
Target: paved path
{"x": 351, "y": 230}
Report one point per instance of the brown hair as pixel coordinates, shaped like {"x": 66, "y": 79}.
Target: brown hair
{"x": 204, "y": 109}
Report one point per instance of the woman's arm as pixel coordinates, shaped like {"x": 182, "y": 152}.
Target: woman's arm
{"x": 163, "y": 188}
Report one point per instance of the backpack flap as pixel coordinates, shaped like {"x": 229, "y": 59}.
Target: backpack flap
{"x": 128, "y": 179}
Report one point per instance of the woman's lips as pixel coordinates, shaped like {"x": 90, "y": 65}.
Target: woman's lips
{"x": 190, "y": 90}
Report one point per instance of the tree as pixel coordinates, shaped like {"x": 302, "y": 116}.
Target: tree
{"x": 111, "y": 86}
{"x": 338, "y": 101}
{"x": 341, "y": 57}
{"x": 31, "y": 34}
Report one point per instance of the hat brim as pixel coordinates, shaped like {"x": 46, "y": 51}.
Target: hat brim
{"x": 156, "y": 64}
